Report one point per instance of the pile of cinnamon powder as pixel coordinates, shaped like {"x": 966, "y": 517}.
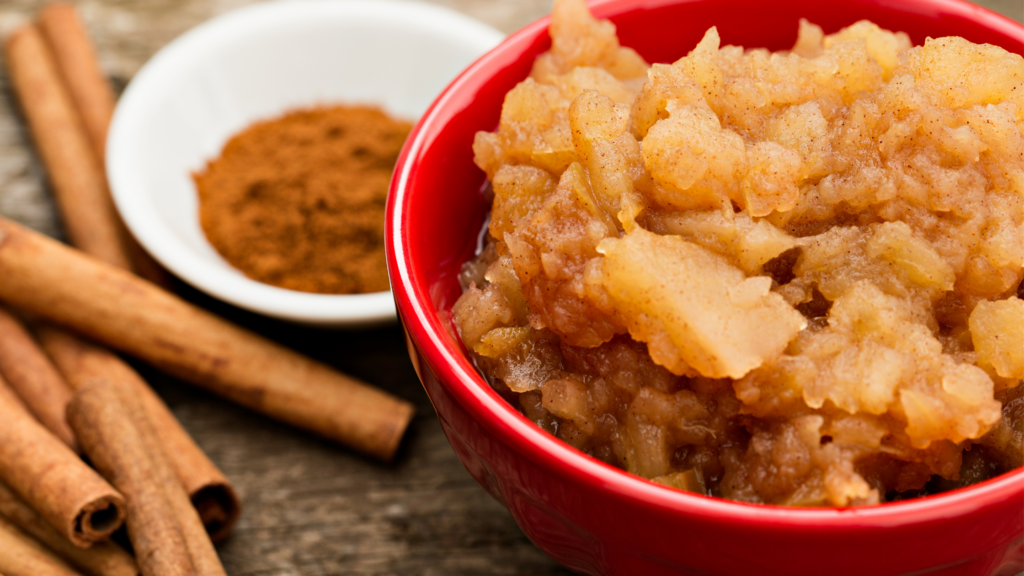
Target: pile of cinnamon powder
{"x": 298, "y": 202}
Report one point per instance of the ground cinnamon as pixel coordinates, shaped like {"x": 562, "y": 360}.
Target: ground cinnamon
{"x": 298, "y": 202}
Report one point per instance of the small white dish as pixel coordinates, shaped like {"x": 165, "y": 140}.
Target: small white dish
{"x": 257, "y": 63}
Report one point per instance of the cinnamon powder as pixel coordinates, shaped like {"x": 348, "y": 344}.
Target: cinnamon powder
{"x": 298, "y": 202}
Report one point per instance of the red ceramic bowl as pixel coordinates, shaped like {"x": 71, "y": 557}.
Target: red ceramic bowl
{"x": 591, "y": 517}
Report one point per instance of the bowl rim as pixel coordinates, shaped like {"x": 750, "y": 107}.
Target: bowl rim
{"x": 141, "y": 215}
{"x": 460, "y": 378}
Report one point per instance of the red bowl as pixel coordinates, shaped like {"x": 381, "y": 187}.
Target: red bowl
{"x": 596, "y": 519}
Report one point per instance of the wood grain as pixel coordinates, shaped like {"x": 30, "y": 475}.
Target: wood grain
{"x": 311, "y": 507}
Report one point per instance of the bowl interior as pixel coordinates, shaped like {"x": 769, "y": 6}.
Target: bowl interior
{"x": 436, "y": 210}
{"x": 255, "y": 64}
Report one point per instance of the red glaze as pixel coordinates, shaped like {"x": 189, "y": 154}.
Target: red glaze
{"x": 591, "y": 517}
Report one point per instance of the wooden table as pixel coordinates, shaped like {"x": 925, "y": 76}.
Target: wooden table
{"x": 310, "y": 507}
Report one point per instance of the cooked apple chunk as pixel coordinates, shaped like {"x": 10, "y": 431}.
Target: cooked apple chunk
{"x": 997, "y": 329}
{"x": 695, "y": 310}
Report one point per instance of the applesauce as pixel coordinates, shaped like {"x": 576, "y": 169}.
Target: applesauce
{"x": 787, "y": 278}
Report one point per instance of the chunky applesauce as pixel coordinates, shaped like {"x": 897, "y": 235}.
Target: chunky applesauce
{"x": 788, "y": 278}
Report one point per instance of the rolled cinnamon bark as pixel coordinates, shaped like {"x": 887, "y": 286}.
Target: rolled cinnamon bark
{"x": 200, "y": 547}
{"x": 102, "y": 559}
{"x": 20, "y": 555}
{"x": 75, "y": 174}
{"x": 77, "y": 63}
{"x": 210, "y": 491}
{"x": 35, "y": 379}
{"x": 93, "y": 99}
{"x": 54, "y": 481}
{"x": 109, "y": 436}
{"x": 116, "y": 308}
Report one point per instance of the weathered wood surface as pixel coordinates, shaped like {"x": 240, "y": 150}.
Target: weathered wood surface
{"x": 310, "y": 507}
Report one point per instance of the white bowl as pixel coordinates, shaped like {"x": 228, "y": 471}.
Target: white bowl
{"x": 254, "y": 64}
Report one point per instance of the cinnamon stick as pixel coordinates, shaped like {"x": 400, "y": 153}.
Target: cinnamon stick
{"x": 109, "y": 436}
{"x": 77, "y": 179}
{"x": 93, "y": 100}
{"x": 20, "y": 555}
{"x": 102, "y": 559}
{"x": 75, "y": 60}
{"x": 127, "y": 313}
{"x": 210, "y": 491}
{"x": 78, "y": 65}
{"x": 200, "y": 547}
{"x": 44, "y": 472}
{"x": 35, "y": 379}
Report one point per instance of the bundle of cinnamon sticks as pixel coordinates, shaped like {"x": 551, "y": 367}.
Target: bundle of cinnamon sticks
{"x": 63, "y": 394}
